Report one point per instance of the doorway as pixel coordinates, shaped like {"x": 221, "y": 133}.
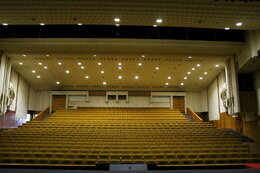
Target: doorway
{"x": 179, "y": 103}
{"x": 58, "y": 102}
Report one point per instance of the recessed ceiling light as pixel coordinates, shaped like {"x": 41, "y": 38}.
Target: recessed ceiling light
{"x": 5, "y": 24}
{"x": 33, "y": 71}
{"x": 198, "y": 65}
{"x": 189, "y": 57}
{"x": 188, "y": 72}
{"x": 39, "y": 63}
{"x": 182, "y": 83}
{"x": 185, "y": 77}
{"x": 117, "y": 20}
{"x": 227, "y": 28}
{"x": 169, "y": 77}
{"x": 104, "y": 83}
{"x": 139, "y": 64}
{"x": 42, "y": 24}
{"x": 200, "y": 78}
{"x": 119, "y": 68}
{"x": 159, "y": 20}
{"x": 119, "y": 63}
{"x": 79, "y": 63}
{"x": 79, "y": 24}
{"x": 217, "y": 65}
{"x": 102, "y": 72}
{"x": 86, "y": 77}
{"x": 59, "y": 63}
{"x": 45, "y": 67}
{"x": 239, "y": 24}
{"x": 82, "y": 67}
{"x": 47, "y": 55}
{"x": 166, "y": 83}
{"x": 193, "y": 68}
{"x": 24, "y": 55}
{"x": 154, "y": 25}
{"x": 205, "y": 73}
{"x": 136, "y": 77}
{"x": 117, "y": 25}
{"x": 157, "y": 68}
{"x": 120, "y": 77}
{"x": 143, "y": 56}
{"x": 57, "y": 82}
{"x": 94, "y": 55}
{"x": 20, "y": 63}
{"x": 99, "y": 63}
{"x": 67, "y": 71}
{"x": 38, "y": 77}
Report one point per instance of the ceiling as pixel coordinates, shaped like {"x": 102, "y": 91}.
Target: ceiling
{"x": 177, "y": 13}
{"x": 171, "y": 56}
{"x": 150, "y": 79}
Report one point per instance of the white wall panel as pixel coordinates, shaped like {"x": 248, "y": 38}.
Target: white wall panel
{"x": 193, "y": 101}
{"x": 204, "y": 101}
{"x": 213, "y": 101}
{"x": 22, "y": 99}
{"x": 14, "y": 84}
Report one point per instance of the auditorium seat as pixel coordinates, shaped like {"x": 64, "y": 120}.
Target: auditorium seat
{"x": 86, "y": 137}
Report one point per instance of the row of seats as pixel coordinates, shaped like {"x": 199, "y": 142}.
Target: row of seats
{"x": 87, "y": 137}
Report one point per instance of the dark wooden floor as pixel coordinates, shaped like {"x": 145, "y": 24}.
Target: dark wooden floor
{"x": 8, "y": 121}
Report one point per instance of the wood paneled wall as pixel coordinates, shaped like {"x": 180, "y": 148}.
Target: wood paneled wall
{"x": 228, "y": 122}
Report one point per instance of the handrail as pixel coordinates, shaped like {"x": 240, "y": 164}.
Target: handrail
{"x": 194, "y": 115}
{"x": 42, "y": 114}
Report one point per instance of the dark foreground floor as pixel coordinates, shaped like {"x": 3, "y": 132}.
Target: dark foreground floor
{"x": 251, "y": 170}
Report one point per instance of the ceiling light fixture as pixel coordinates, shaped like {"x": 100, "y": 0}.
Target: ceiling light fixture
{"x": 166, "y": 83}
{"x": 200, "y": 78}
{"x": 136, "y": 77}
{"x": 79, "y": 63}
{"x": 20, "y": 63}
{"x": 157, "y": 68}
{"x": 102, "y": 72}
{"x": 155, "y": 26}
{"x": 227, "y": 28}
{"x": 57, "y": 82}
{"x": 185, "y": 78}
{"x": 189, "y": 57}
{"x": 42, "y": 24}
{"x": 59, "y": 63}
{"x": 143, "y": 56}
{"x": 159, "y": 20}
{"x": 217, "y": 65}
{"x": 39, "y": 63}
{"x": 104, "y": 83}
{"x": 169, "y": 77}
{"x": 33, "y": 71}
{"x": 205, "y": 73}
{"x": 119, "y": 63}
{"x": 38, "y": 77}
{"x": 45, "y": 67}
{"x": 82, "y": 67}
{"x": 79, "y": 24}
{"x": 188, "y": 72}
{"x": 117, "y": 20}
{"x": 94, "y": 55}
{"x": 99, "y": 63}
{"x": 139, "y": 64}
{"x": 5, "y": 24}
{"x": 47, "y": 55}
{"x": 182, "y": 83}
{"x": 24, "y": 55}
{"x": 119, "y": 68}
{"x": 239, "y": 24}
{"x": 120, "y": 77}
{"x": 117, "y": 25}
{"x": 67, "y": 71}
{"x": 198, "y": 65}
{"x": 86, "y": 77}
{"x": 193, "y": 68}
